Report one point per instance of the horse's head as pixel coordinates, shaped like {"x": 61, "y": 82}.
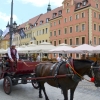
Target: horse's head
{"x": 95, "y": 71}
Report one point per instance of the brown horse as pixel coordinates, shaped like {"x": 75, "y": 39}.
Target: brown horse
{"x": 82, "y": 67}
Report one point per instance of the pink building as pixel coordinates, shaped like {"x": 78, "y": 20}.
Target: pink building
{"x": 79, "y": 23}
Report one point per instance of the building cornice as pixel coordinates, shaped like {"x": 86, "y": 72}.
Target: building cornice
{"x": 55, "y": 19}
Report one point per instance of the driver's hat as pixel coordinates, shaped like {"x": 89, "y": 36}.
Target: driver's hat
{"x": 13, "y": 44}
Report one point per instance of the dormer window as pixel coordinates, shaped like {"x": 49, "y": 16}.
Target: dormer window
{"x": 60, "y": 12}
{"x": 47, "y": 20}
{"x": 35, "y": 24}
{"x": 96, "y": 5}
{"x": 41, "y": 22}
{"x": 78, "y": 5}
{"x": 54, "y": 15}
{"x": 84, "y": 3}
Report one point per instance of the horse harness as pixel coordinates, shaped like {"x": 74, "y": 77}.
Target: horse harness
{"x": 70, "y": 71}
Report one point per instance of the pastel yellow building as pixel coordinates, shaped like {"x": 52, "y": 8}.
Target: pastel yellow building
{"x": 4, "y": 43}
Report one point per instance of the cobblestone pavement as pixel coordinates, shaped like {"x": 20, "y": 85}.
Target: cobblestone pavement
{"x": 84, "y": 91}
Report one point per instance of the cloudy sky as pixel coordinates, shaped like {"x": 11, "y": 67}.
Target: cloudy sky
{"x": 24, "y": 9}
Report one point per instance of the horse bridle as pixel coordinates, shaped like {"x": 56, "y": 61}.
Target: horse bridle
{"x": 81, "y": 75}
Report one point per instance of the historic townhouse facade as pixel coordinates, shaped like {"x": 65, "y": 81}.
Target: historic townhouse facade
{"x": 79, "y": 24}
{"x": 37, "y": 29}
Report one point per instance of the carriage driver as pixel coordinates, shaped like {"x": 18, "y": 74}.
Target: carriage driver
{"x": 12, "y": 53}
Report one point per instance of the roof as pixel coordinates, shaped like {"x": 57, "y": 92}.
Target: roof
{"x": 49, "y": 15}
{"x": 30, "y": 21}
{"x": 81, "y": 4}
{"x": 7, "y": 37}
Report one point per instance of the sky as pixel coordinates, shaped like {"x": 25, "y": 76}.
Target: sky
{"x": 23, "y": 10}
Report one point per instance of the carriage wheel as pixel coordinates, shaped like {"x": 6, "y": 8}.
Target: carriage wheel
{"x": 7, "y": 85}
{"x": 35, "y": 84}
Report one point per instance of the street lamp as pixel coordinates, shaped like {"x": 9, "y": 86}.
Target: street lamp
{"x": 12, "y": 26}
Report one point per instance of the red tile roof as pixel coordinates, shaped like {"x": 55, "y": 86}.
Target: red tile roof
{"x": 49, "y": 15}
{"x": 7, "y": 37}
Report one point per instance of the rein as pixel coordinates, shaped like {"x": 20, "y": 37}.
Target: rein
{"x": 78, "y": 73}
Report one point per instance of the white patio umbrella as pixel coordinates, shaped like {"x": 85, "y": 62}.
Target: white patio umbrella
{"x": 85, "y": 48}
{"x": 96, "y": 49}
{"x": 30, "y": 48}
{"x": 3, "y": 51}
{"x": 21, "y": 48}
{"x": 44, "y": 47}
{"x": 62, "y": 48}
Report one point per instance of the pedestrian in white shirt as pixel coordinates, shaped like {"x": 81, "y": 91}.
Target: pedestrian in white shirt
{"x": 38, "y": 59}
{"x": 59, "y": 58}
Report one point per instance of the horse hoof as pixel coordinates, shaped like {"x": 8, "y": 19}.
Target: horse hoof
{"x": 40, "y": 96}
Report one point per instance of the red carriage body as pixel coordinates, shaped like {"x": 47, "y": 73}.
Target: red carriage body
{"x": 12, "y": 74}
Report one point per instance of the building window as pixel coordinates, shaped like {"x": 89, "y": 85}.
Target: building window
{"x": 46, "y": 30}
{"x": 60, "y": 12}
{"x": 67, "y": 10}
{"x": 54, "y": 33}
{"x": 65, "y": 30}
{"x": 40, "y": 32}
{"x": 54, "y": 23}
{"x": 40, "y": 41}
{"x": 54, "y": 43}
{"x": 70, "y": 41}
{"x": 77, "y": 16}
{"x": 58, "y": 21}
{"x": 99, "y": 28}
{"x": 77, "y": 41}
{"x": 37, "y": 33}
{"x": 99, "y": 16}
{"x": 94, "y": 26}
{"x": 97, "y": 6}
{"x": 59, "y": 41}
{"x": 65, "y": 20}
{"x": 54, "y": 15}
{"x": 41, "y": 22}
{"x": 43, "y": 31}
{"x": 84, "y": 3}
{"x": 70, "y": 18}
{"x": 67, "y": 4}
{"x": 77, "y": 28}
{"x": 47, "y": 20}
{"x": 77, "y": 55}
{"x": 59, "y": 32}
{"x": 78, "y": 5}
{"x": 83, "y": 27}
{"x": 46, "y": 40}
{"x": 50, "y": 24}
{"x": 94, "y": 40}
{"x": 94, "y": 14}
{"x": 70, "y": 29}
{"x": 83, "y": 40}
{"x": 37, "y": 42}
{"x": 82, "y": 15}
{"x": 50, "y": 33}
{"x": 65, "y": 41}
{"x": 99, "y": 41}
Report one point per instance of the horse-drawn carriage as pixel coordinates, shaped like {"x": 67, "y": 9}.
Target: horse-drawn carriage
{"x": 64, "y": 75}
{"x": 17, "y": 74}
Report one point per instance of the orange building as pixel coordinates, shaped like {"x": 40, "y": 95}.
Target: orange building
{"x": 79, "y": 23}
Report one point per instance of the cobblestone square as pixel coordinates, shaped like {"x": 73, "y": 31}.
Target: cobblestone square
{"x": 84, "y": 91}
